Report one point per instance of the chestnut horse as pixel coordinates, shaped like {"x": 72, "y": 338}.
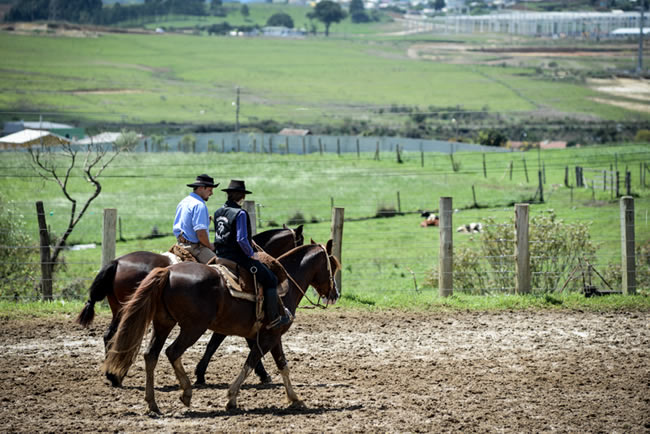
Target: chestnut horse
{"x": 196, "y": 297}
{"x": 118, "y": 280}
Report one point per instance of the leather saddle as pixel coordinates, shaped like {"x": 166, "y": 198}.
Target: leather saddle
{"x": 241, "y": 282}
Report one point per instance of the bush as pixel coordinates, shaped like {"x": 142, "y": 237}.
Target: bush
{"x": 555, "y": 249}
{"x": 492, "y": 137}
{"x": 642, "y": 136}
{"x": 297, "y": 219}
{"x": 280, "y": 19}
{"x": 18, "y": 255}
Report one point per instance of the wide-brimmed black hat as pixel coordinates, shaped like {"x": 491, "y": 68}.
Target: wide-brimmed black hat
{"x": 237, "y": 185}
{"x": 203, "y": 181}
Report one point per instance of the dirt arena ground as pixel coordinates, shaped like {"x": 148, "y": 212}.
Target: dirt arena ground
{"x": 357, "y": 372}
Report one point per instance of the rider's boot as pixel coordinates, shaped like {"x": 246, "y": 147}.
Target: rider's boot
{"x": 272, "y": 312}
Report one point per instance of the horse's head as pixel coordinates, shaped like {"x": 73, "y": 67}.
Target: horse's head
{"x": 324, "y": 281}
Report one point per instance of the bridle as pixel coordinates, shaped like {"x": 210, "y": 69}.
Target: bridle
{"x": 331, "y": 278}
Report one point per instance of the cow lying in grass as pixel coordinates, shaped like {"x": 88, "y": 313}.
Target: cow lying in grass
{"x": 430, "y": 219}
{"x": 470, "y": 228}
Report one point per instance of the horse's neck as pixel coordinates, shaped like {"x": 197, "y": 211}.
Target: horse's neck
{"x": 300, "y": 271}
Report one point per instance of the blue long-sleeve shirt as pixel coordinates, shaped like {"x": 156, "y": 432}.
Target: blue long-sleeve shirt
{"x": 242, "y": 234}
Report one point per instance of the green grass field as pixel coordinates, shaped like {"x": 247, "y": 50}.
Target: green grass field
{"x": 381, "y": 256}
{"x": 143, "y": 79}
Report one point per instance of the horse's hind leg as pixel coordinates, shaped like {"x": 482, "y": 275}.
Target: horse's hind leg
{"x": 283, "y": 367}
{"x": 160, "y": 333}
{"x": 186, "y": 338}
{"x": 252, "y": 360}
{"x": 214, "y": 343}
{"x": 264, "y": 376}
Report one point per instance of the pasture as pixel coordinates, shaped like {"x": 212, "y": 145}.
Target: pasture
{"x": 191, "y": 80}
{"x": 386, "y": 261}
{"x": 453, "y": 371}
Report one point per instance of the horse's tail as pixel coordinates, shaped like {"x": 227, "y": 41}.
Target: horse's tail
{"x": 136, "y": 316}
{"x": 99, "y": 289}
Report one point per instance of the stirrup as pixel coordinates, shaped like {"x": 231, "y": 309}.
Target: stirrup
{"x": 281, "y": 320}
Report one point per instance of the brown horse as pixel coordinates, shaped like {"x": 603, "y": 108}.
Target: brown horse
{"x": 118, "y": 280}
{"x": 196, "y": 297}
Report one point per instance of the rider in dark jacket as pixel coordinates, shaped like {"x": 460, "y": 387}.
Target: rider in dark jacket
{"x": 232, "y": 227}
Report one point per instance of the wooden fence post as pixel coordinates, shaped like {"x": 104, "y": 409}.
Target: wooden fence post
{"x": 541, "y": 187}
{"x": 46, "y": 260}
{"x": 566, "y": 176}
{"x": 271, "y": 145}
{"x": 628, "y": 265}
{"x": 617, "y": 184}
{"x": 337, "y": 239}
{"x": 510, "y": 168}
{"x": 446, "y": 257}
{"x": 399, "y": 204}
{"x": 259, "y": 215}
{"x": 474, "y": 196}
{"x": 484, "y": 167}
{"x": 223, "y": 145}
{"x": 525, "y": 169}
{"x": 249, "y": 207}
{"x": 304, "y": 147}
{"x": 358, "y": 150}
{"x": 522, "y": 251}
{"x": 377, "y": 151}
{"x": 108, "y": 237}
{"x": 338, "y": 146}
{"x": 320, "y": 146}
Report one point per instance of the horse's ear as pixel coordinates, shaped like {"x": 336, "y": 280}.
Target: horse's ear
{"x": 298, "y": 230}
{"x": 312, "y": 241}
{"x": 284, "y": 226}
{"x": 328, "y": 247}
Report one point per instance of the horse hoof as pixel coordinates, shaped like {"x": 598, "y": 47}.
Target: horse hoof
{"x": 186, "y": 398}
{"x": 153, "y": 408}
{"x": 266, "y": 380}
{"x": 299, "y": 404}
{"x": 114, "y": 379}
{"x": 200, "y": 381}
{"x": 232, "y": 405}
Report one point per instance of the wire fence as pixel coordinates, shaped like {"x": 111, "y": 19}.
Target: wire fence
{"x": 396, "y": 255}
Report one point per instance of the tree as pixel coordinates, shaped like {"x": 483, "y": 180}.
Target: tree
{"x": 439, "y": 4}
{"x": 492, "y": 137}
{"x": 61, "y": 167}
{"x": 357, "y": 12}
{"x": 356, "y": 6}
{"x": 327, "y": 12}
{"x": 244, "y": 11}
{"x": 280, "y": 19}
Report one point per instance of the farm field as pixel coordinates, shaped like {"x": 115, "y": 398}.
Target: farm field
{"x": 385, "y": 260}
{"x": 191, "y": 80}
{"x": 516, "y": 371}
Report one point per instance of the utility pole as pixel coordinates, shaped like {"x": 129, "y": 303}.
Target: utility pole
{"x": 639, "y": 68}
{"x": 237, "y": 112}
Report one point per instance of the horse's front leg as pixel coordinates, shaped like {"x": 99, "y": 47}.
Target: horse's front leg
{"x": 252, "y": 360}
{"x": 214, "y": 343}
{"x": 283, "y": 367}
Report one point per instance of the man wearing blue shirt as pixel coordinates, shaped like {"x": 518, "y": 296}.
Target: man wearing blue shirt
{"x": 232, "y": 227}
{"x": 192, "y": 221}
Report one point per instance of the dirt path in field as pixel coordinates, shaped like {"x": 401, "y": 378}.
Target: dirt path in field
{"x": 356, "y": 372}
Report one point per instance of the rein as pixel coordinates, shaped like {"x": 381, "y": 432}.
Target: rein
{"x": 329, "y": 269}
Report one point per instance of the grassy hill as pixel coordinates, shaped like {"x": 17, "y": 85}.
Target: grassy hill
{"x": 191, "y": 80}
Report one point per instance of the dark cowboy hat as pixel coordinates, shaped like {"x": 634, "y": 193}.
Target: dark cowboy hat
{"x": 203, "y": 181}
{"x": 237, "y": 185}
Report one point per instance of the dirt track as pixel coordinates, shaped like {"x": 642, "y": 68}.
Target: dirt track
{"x": 510, "y": 372}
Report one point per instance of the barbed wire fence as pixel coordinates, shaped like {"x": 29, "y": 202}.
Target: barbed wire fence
{"x": 419, "y": 258}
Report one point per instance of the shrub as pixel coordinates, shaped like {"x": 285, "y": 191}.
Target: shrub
{"x": 642, "y": 136}
{"x": 555, "y": 249}
{"x": 296, "y": 219}
{"x": 280, "y": 19}
{"x": 18, "y": 255}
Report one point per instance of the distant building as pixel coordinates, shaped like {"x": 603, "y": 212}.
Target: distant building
{"x": 294, "y": 132}
{"x": 283, "y": 32}
{"x": 28, "y": 138}
{"x": 549, "y": 144}
{"x": 64, "y": 130}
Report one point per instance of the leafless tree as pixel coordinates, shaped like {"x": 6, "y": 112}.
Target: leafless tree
{"x": 47, "y": 163}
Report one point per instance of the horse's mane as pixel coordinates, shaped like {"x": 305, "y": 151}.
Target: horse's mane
{"x": 264, "y": 237}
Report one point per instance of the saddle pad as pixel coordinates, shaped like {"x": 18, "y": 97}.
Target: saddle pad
{"x": 172, "y": 258}
{"x": 232, "y": 281}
